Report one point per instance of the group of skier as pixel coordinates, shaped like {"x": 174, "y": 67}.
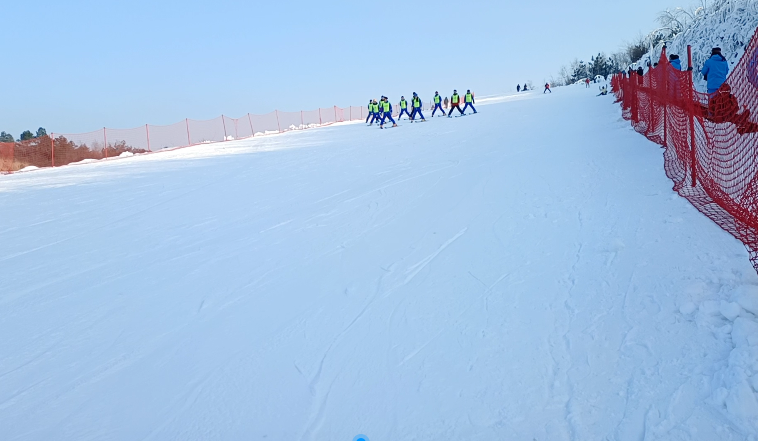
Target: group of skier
{"x": 382, "y": 111}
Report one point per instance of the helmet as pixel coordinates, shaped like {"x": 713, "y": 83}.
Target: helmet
{"x": 414, "y": 93}
{"x": 468, "y": 91}
{"x": 455, "y": 91}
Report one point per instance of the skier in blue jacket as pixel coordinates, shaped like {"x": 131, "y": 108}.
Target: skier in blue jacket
{"x": 675, "y": 61}
{"x": 469, "y": 99}
{"x": 715, "y": 70}
{"x": 386, "y": 109}
{"x": 375, "y": 115}
{"x": 403, "y": 108}
{"x": 438, "y": 104}
{"x": 673, "y": 81}
{"x": 416, "y": 101}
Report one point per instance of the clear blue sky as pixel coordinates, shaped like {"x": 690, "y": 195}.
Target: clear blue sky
{"x": 74, "y": 66}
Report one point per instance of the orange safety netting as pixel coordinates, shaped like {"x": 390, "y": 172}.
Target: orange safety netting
{"x": 61, "y": 149}
{"x": 711, "y": 141}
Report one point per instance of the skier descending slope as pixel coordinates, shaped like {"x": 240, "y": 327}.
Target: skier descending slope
{"x": 386, "y": 108}
{"x": 438, "y": 104}
{"x": 370, "y": 110}
{"x": 417, "y": 108}
{"x": 403, "y": 108}
{"x": 469, "y": 102}
{"x": 454, "y": 104}
{"x": 374, "y": 112}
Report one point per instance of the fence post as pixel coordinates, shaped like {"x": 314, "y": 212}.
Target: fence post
{"x": 667, "y": 95}
{"x": 351, "y": 113}
{"x": 319, "y": 117}
{"x": 186, "y": 121}
{"x": 302, "y": 121}
{"x": 224, "y": 124}
{"x": 251, "y": 124}
{"x": 691, "y": 112}
{"x": 634, "y": 102}
{"x": 335, "y": 113}
{"x": 105, "y": 141}
{"x": 277, "y": 121}
{"x": 52, "y": 149}
{"x": 147, "y": 131}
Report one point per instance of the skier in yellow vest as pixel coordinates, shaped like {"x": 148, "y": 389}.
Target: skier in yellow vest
{"x": 370, "y": 110}
{"x": 416, "y": 101}
{"x": 403, "y": 108}
{"x": 386, "y": 109}
{"x": 469, "y": 98}
{"x": 375, "y": 116}
{"x": 455, "y": 102}
{"x": 438, "y": 104}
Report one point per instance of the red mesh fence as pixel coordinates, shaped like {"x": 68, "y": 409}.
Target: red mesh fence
{"x": 62, "y": 149}
{"x": 710, "y": 141}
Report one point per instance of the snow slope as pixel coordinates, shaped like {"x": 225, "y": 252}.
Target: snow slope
{"x": 518, "y": 274}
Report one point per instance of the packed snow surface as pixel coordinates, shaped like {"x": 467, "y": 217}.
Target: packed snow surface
{"x": 521, "y": 274}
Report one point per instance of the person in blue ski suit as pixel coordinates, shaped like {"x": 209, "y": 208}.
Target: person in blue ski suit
{"x": 469, "y": 100}
{"x": 386, "y": 109}
{"x": 715, "y": 70}
{"x": 673, "y": 81}
{"x": 375, "y": 116}
{"x": 370, "y": 110}
{"x": 403, "y": 108}
{"x": 416, "y": 101}
{"x": 675, "y": 61}
{"x": 438, "y": 104}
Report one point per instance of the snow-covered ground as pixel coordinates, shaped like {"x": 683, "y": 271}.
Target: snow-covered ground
{"x": 525, "y": 273}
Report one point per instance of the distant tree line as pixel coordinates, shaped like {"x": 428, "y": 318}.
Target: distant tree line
{"x": 26, "y": 135}
{"x": 601, "y": 64}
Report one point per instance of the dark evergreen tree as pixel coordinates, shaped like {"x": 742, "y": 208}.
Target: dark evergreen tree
{"x": 41, "y": 132}
{"x": 6, "y": 137}
{"x": 26, "y": 135}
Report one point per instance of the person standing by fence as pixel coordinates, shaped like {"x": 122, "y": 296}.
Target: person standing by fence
{"x": 675, "y": 61}
{"x": 715, "y": 70}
